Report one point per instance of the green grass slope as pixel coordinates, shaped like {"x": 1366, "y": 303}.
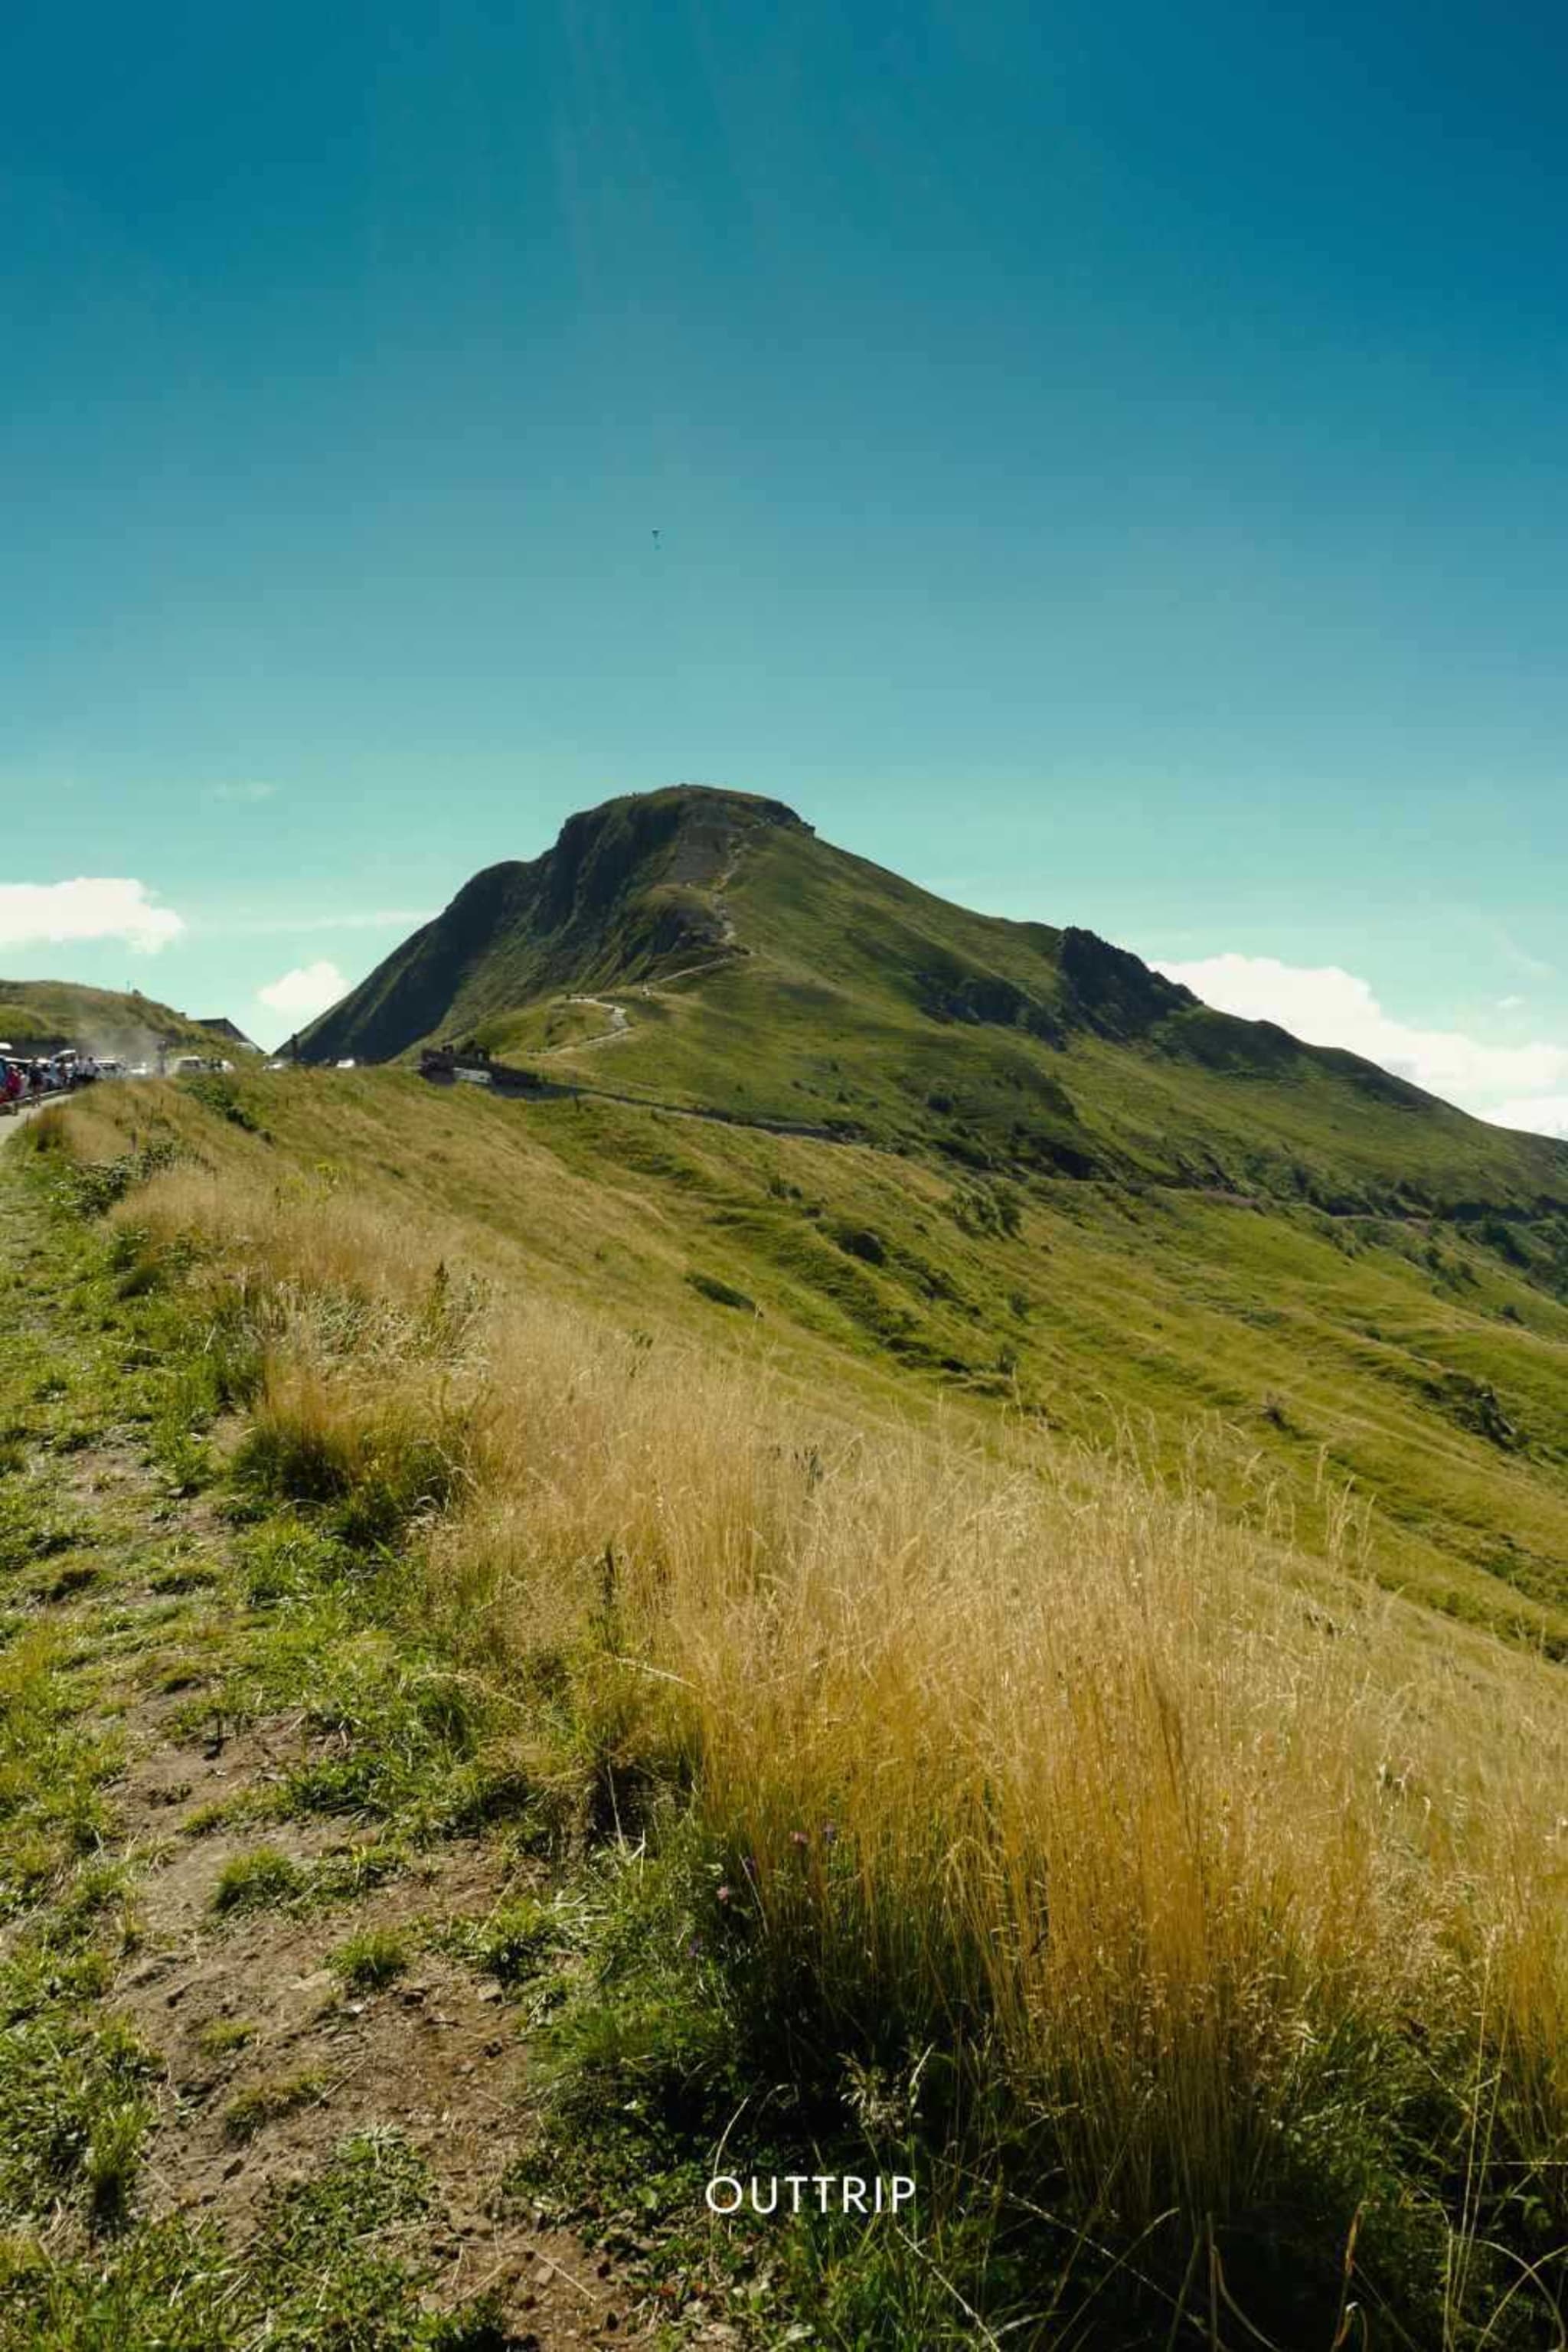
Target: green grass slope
{"x": 111, "y": 1023}
{"x": 773, "y": 1764}
{"x": 1409, "y": 1369}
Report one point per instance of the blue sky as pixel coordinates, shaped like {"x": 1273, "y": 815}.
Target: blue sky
{"x": 1109, "y": 466}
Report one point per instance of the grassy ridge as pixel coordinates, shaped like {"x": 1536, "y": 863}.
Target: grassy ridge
{"x": 104, "y": 1021}
{"x": 1008, "y": 1046}
{"x": 1156, "y": 1888}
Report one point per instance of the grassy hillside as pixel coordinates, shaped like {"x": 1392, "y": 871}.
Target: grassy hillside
{"x": 1425, "y": 1368}
{"x": 758, "y": 970}
{"x": 109, "y": 1022}
{"x": 1038, "y": 1172}
{"x": 1074, "y": 1826}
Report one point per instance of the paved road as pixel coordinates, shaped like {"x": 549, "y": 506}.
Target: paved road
{"x": 14, "y": 1121}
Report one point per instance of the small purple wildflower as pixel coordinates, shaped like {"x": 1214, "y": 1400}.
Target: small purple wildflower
{"x": 750, "y": 1865}
{"x": 798, "y": 1837}
{"x": 829, "y": 1833}
{"x": 694, "y": 1949}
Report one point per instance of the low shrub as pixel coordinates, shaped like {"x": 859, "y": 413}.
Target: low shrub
{"x": 722, "y": 1294}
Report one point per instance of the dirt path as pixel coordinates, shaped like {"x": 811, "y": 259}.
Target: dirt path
{"x": 269, "y": 2059}
{"x": 691, "y": 971}
{"x": 619, "y": 1026}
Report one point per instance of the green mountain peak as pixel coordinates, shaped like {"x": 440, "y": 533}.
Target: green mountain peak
{"x": 705, "y": 950}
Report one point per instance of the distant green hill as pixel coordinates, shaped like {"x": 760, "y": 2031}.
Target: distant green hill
{"x": 37, "y": 1015}
{"x": 754, "y": 968}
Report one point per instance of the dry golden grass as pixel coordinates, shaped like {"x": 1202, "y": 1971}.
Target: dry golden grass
{"x": 1023, "y": 1758}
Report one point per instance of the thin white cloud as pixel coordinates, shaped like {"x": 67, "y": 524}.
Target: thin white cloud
{"x": 1543, "y": 1114}
{"x": 35, "y": 914}
{"x": 1513, "y": 1086}
{"x": 306, "y": 990}
{"x": 245, "y": 794}
{"x": 1509, "y": 1004}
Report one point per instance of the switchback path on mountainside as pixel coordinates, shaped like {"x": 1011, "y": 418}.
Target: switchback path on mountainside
{"x": 254, "y": 2063}
{"x": 619, "y": 1026}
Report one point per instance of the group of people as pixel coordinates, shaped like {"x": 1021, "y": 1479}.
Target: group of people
{"x": 22, "y": 1081}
